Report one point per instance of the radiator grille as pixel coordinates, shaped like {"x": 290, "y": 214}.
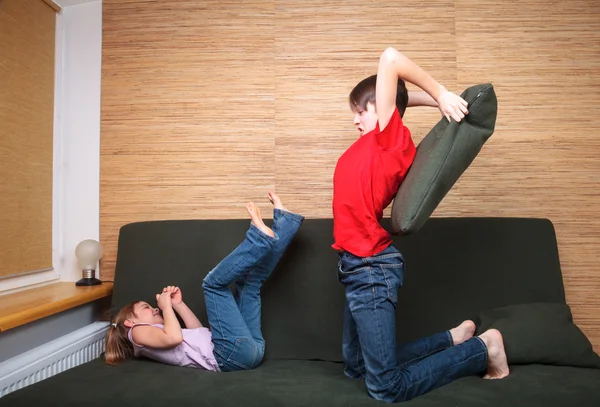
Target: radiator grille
{"x": 81, "y": 346}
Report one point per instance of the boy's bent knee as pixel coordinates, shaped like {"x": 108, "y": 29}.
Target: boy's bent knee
{"x": 393, "y": 391}
{"x": 208, "y": 282}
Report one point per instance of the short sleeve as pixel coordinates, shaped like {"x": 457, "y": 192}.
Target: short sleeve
{"x": 130, "y": 335}
{"x": 395, "y": 135}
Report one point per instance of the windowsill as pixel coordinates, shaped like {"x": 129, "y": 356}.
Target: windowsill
{"x": 27, "y": 306}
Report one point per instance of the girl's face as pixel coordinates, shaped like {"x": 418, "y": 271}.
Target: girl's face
{"x": 146, "y": 314}
{"x": 365, "y": 120}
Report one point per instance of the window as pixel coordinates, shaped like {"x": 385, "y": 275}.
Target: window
{"x": 27, "y": 50}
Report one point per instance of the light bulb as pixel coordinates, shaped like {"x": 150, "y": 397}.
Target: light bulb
{"x": 88, "y": 253}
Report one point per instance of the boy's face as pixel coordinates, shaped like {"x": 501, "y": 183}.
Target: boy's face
{"x": 365, "y": 120}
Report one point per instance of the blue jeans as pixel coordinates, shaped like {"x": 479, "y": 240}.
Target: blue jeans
{"x": 235, "y": 320}
{"x": 369, "y": 337}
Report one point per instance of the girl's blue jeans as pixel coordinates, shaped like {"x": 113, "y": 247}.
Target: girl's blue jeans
{"x": 235, "y": 320}
{"x": 369, "y": 337}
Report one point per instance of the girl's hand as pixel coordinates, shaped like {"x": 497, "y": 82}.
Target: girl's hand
{"x": 452, "y": 105}
{"x": 164, "y": 300}
{"x": 175, "y": 292}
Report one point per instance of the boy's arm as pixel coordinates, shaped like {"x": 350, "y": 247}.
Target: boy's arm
{"x": 394, "y": 65}
{"x": 189, "y": 318}
{"x": 420, "y": 98}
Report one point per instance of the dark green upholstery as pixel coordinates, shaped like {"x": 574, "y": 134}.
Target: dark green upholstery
{"x": 442, "y": 156}
{"x": 293, "y": 383}
{"x": 541, "y": 333}
{"x": 456, "y": 268}
{"x": 303, "y": 300}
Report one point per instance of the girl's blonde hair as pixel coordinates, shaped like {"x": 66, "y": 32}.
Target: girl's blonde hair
{"x": 118, "y": 346}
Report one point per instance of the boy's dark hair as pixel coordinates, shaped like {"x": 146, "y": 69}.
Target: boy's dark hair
{"x": 364, "y": 93}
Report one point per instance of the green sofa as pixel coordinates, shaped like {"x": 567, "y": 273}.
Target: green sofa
{"x": 502, "y": 271}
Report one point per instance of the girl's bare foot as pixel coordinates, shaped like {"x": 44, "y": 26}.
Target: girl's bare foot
{"x": 463, "y": 332}
{"x": 275, "y": 200}
{"x": 257, "y": 219}
{"x": 497, "y": 363}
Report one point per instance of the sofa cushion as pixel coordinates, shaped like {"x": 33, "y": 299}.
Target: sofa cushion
{"x": 540, "y": 333}
{"x": 442, "y": 156}
{"x": 303, "y": 302}
{"x": 290, "y": 383}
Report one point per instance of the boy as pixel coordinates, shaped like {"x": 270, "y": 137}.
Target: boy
{"x": 366, "y": 179}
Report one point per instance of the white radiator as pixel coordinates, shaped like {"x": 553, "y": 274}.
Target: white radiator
{"x": 61, "y": 354}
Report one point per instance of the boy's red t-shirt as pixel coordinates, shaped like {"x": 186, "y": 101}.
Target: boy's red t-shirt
{"x": 366, "y": 179}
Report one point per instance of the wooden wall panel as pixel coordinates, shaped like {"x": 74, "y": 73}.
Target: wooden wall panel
{"x": 205, "y": 106}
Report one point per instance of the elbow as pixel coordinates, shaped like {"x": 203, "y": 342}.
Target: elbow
{"x": 389, "y": 56}
{"x": 175, "y": 340}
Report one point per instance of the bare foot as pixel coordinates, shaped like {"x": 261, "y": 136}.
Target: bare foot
{"x": 257, "y": 219}
{"x": 275, "y": 200}
{"x": 463, "y": 332}
{"x": 497, "y": 363}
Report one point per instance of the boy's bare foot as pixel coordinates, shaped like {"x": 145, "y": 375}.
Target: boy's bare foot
{"x": 257, "y": 219}
{"x": 497, "y": 363}
{"x": 275, "y": 200}
{"x": 463, "y": 332}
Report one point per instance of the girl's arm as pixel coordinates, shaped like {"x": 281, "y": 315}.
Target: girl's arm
{"x": 154, "y": 337}
{"x": 189, "y": 318}
{"x": 394, "y": 65}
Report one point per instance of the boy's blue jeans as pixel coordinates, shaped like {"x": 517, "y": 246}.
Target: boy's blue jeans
{"x": 369, "y": 338}
{"x": 235, "y": 320}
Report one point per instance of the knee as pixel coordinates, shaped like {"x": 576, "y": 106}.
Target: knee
{"x": 209, "y": 283}
{"x": 260, "y": 354}
{"x": 382, "y": 393}
{"x": 389, "y": 388}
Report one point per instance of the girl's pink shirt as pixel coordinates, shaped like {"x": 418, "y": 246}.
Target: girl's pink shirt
{"x": 195, "y": 350}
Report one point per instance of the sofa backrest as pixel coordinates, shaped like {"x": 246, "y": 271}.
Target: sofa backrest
{"x": 455, "y": 268}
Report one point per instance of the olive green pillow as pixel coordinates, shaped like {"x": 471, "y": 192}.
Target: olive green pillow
{"x": 540, "y": 333}
{"x": 442, "y": 156}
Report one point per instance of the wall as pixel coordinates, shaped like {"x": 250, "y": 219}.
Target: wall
{"x": 80, "y": 130}
{"x": 26, "y": 337}
{"x": 206, "y": 105}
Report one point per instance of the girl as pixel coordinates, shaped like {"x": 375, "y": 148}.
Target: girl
{"x": 235, "y": 340}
